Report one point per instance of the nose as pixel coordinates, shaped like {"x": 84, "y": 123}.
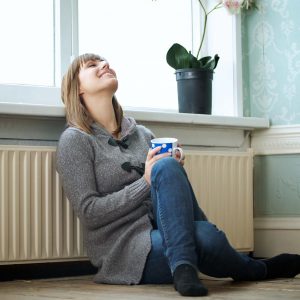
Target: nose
{"x": 104, "y": 64}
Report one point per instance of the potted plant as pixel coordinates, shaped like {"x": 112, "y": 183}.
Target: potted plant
{"x": 194, "y": 74}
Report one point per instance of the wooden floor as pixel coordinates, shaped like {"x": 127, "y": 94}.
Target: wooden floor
{"x": 83, "y": 288}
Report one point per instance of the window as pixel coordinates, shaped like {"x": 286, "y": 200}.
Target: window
{"x": 134, "y": 35}
{"x": 136, "y": 42}
{"x": 32, "y": 50}
{"x": 224, "y": 39}
{"x": 27, "y": 42}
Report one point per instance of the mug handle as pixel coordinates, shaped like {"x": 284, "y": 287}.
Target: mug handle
{"x": 181, "y": 153}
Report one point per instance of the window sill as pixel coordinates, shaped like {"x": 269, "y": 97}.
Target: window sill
{"x": 38, "y": 122}
{"x": 247, "y": 123}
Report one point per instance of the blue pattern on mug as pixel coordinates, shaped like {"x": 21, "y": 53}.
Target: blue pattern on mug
{"x": 165, "y": 147}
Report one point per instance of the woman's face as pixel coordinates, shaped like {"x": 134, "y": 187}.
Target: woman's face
{"x": 96, "y": 77}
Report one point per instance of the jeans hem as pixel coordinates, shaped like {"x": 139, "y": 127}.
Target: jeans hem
{"x": 181, "y": 262}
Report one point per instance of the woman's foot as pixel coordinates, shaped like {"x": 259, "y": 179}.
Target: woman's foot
{"x": 283, "y": 266}
{"x": 187, "y": 282}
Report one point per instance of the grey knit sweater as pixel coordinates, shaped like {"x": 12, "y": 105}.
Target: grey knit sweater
{"x": 102, "y": 178}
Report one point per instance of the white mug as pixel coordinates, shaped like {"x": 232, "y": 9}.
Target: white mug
{"x": 167, "y": 145}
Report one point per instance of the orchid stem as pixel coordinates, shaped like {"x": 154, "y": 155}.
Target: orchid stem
{"x": 202, "y": 6}
{"x": 219, "y": 5}
{"x": 203, "y": 35}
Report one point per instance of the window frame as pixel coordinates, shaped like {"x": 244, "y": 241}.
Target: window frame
{"x": 66, "y": 47}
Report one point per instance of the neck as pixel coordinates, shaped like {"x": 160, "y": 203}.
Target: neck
{"x": 102, "y": 112}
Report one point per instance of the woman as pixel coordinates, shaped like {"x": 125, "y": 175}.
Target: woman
{"x": 141, "y": 221}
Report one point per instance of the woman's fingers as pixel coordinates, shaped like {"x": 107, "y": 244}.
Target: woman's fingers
{"x": 152, "y": 152}
{"x": 178, "y": 154}
{"x": 160, "y": 156}
{"x": 153, "y": 156}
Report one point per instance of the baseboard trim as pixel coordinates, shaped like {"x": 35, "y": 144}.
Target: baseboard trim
{"x": 273, "y": 236}
{"x": 272, "y": 223}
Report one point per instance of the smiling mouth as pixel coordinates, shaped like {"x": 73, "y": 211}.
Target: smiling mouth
{"x": 106, "y": 73}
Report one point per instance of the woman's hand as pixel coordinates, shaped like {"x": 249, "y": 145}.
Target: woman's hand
{"x": 151, "y": 160}
{"x": 177, "y": 155}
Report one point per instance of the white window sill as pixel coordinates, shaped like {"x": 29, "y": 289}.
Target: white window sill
{"x": 27, "y": 121}
{"x": 247, "y": 123}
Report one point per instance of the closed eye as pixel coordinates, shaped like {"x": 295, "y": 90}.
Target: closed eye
{"x": 91, "y": 64}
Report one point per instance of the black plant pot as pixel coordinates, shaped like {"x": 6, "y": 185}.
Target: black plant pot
{"x": 194, "y": 88}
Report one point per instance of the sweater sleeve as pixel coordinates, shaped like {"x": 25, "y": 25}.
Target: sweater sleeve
{"x": 75, "y": 164}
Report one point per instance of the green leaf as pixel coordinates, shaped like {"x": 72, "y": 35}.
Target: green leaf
{"x": 216, "y": 59}
{"x": 193, "y": 61}
{"x": 212, "y": 63}
{"x": 178, "y": 57}
{"x": 204, "y": 60}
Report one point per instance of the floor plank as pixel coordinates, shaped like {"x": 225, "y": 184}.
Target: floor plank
{"x": 84, "y": 288}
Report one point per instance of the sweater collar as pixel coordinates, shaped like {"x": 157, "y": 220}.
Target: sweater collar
{"x": 128, "y": 127}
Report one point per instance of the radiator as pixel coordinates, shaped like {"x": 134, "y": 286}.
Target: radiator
{"x": 36, "y": 220}
{"x": 223, "y": 185}
{"x": 37, "y": 223}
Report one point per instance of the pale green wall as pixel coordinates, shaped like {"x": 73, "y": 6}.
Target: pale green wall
{"x": 271, "y": 61}
{"x": 277, "y": 185}
{"x": 271, "y": 88}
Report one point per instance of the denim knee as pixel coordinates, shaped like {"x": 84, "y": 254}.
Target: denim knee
{"x": 166, "y": 166}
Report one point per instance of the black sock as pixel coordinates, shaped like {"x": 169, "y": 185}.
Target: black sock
{"x": 283, "y": 266}
{"x": 187, "y": 282}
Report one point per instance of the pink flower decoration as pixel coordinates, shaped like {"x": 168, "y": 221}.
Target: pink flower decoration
{"x": 233, "y": 6}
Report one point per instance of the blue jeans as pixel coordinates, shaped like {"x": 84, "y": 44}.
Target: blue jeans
{"x": 182, "y": 235}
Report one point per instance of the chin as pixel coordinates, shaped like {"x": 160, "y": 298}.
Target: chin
{"x": 114, "y": 84}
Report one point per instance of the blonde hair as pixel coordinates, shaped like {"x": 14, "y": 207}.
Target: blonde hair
{"x": 76, "y": 113}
